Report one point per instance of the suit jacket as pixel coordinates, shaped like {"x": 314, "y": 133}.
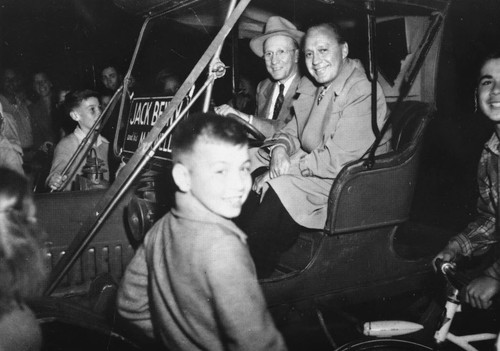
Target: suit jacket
{"x": 264, "y": 93}
{"x": 322, "y": 138}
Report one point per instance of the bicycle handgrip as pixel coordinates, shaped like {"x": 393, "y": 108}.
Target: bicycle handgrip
{"x": 454, "y": 277}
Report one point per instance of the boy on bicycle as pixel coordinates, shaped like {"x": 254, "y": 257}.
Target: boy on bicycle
{"x": 484, "y": 232}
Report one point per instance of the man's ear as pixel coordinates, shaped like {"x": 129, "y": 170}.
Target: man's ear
{"x": 74, "y": 116}
{"x": 296, "y": 56}
{"x": 181, "y": 176}
{"x": 345, "y": 50}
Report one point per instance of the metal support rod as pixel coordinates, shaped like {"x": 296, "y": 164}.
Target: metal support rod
{"x": 423, "y": 49}
{"x": 328, "y": 335}
{"x": 372, "y": 34}
{"x": 406, "y": 85}
{"x": 235, "y": 76}
{"x": 134, "y": 166}
{"x": 208, "y": 96}
{"x": 125, "y": 85}
{"x": 464, "y": 341}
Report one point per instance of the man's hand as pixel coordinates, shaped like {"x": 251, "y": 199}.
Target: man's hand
{"x": 224, "y": 110}
{"x": 280, "y": 162}
{"x": 448, "y": 254}
{"x": 56, "y": 181}
{"x": 260, "y": 181}
{"x": 480, "y": 292}
{"x": 130, "y": 81}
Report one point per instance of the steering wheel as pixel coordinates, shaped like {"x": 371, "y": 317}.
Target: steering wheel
{"x": 254, "y": 132}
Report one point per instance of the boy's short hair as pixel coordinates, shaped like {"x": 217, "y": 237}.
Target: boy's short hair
{"x": 74, "y": 98}
{"x": 209, "y": 126}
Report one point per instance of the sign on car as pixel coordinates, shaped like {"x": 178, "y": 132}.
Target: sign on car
{"x": 144, "y": 112}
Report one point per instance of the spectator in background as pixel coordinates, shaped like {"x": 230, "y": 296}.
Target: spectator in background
{"x": 11, "y": 153}
{"x": 105, "y": 97}
{"x": 41, "y": 111}
{"x": 14, "y": 102}
{"x": 109, "y": 129}
{"x": 111, "y": 78}
{"x": 167, "y": 82}
{"x": 64, "y": 123}
{"x": 22, "y": 266}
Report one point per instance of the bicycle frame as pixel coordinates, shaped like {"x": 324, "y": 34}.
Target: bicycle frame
{"x": 452, "y": 306}
{"x": 442, "y": 334}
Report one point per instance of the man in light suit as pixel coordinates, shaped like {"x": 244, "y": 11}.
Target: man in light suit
{"x": 279, "y": 47}
{"x": 330, "y": 127}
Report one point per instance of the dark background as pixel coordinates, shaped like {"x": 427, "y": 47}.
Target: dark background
{"x": 69, "y": 38}
{"x": 73, "y": 39}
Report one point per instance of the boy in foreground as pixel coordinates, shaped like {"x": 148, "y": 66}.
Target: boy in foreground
{"x": 192, "y": 283}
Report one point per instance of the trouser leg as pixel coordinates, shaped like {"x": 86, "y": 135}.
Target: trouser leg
{"x": 270, "y": 229}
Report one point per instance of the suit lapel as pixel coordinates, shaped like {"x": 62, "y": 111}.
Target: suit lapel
{"x": 266, "y": 95}
{"x": 302, "y": 106}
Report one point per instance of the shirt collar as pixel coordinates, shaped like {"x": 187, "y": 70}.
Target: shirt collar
{"x": 287, "y": 83}
{"x": 80, "y": 135}
{"x": 345, "y": 72}
{"x": 187, "y": 206}
{"x": 493, "y": 144}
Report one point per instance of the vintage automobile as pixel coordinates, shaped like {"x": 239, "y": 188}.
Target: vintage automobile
{"x": 365, "y": 252}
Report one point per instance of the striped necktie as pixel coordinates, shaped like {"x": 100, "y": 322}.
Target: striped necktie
{"x": 279, "y": 101}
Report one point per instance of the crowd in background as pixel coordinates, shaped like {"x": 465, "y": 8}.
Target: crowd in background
{"x": 33, "y": 118}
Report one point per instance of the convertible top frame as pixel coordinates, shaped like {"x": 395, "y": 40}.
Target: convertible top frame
{"x": 154, "y": 7}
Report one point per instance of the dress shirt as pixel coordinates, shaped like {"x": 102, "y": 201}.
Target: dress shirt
{"x": 287, "y": 83}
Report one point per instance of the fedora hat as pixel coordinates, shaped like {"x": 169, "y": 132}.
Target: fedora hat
{"x": 275, "y": 26}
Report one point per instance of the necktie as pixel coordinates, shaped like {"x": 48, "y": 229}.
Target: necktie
{"x": 279, "y": 101}
{"x": 322, "y": 93}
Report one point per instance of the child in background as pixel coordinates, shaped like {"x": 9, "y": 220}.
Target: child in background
{"x": 84, "y": 108}
{"x": 192, "y": 284}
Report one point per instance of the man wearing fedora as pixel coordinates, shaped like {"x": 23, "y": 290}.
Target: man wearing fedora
{"x": 279, "y": 47}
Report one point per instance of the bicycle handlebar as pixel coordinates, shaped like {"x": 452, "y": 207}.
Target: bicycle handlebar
{"x": 445, "y": 267}
{"x": 449, "y": 270}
